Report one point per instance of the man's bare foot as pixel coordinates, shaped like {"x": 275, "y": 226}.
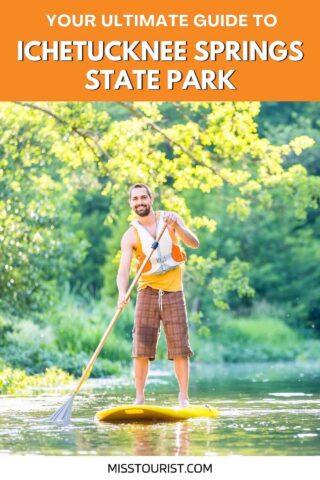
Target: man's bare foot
{"x": 139, "y": 401}
{"x": 184, "y": 402}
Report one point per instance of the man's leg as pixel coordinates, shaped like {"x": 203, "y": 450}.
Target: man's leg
{"x": 145, "y": 337}
{"x": 141, "y": 368}
{"x": 181, "y": 367}
{"x": 175, "y": 324}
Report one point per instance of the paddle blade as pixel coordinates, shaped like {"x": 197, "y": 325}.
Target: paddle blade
{"x": 63, "y": 415}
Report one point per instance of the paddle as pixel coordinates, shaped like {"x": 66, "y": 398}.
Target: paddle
{"x": 63, "y": 415}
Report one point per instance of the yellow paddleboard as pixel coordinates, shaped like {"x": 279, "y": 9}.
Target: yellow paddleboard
{"x": 135, "y": 413}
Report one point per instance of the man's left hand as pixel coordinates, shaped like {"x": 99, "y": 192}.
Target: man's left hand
{"x": 170, "y": 218}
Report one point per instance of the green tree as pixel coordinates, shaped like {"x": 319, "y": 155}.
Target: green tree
{"x": 191, "y": 154}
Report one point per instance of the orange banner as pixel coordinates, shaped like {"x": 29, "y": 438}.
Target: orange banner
{"x": 169, "y": 50}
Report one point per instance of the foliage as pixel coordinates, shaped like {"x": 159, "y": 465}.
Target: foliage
{"x": 79, "y": 326}
{"x": 217, "y": 277}
{"x": 93, "y": 209}
{"x": 38, "y": 247}
{"x": 254, "y": 339}
{"x": 37, "y": 360}
{"x": 219, "y": 148}
{"x": 67, "y": 337}
{"x": 274, "y": 339}
{"x": 280, "y": 122}
{"x": 213, "y": 148}
{"x": 15, "y": 380}
{"x": 244, "y": 176}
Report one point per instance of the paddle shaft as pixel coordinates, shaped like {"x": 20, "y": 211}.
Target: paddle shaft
{"x": 88, "y": 368}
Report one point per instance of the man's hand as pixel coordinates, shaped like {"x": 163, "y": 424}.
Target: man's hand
{"x": 170, "y": 218}
{"x": 175, "y": 222}
{"x": 122, "y": 302}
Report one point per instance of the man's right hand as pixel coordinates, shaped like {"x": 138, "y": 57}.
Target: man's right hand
{"x": 122, "y": 302}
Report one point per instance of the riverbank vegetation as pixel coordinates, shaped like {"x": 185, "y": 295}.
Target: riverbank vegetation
{"x": 244, "y": 176}
{"x": 13, "y": 380}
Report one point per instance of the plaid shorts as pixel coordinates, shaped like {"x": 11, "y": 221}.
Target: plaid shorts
{"x": 153, "y": 306}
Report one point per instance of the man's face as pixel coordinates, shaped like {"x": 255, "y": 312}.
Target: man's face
{"x": 140, "y": 201}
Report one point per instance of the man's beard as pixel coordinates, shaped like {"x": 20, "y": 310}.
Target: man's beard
{"x": 142, "y": 210}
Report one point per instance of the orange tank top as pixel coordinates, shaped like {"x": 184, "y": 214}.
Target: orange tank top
{"x": 170, "y": 281}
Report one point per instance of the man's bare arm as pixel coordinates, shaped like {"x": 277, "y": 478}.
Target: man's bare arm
{"x": 188, "y": 237}
{"x": 124, "y": 267}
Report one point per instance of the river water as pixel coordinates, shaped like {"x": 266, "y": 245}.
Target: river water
{"x": 265, "y": 409}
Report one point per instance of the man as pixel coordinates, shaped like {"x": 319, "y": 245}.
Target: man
{"x": 160, "y": 289}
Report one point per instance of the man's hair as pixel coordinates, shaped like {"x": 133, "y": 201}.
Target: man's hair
{"x": 140, "y": 185}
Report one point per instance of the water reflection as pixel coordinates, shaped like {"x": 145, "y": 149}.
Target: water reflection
{"x": 150, "y": 438}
